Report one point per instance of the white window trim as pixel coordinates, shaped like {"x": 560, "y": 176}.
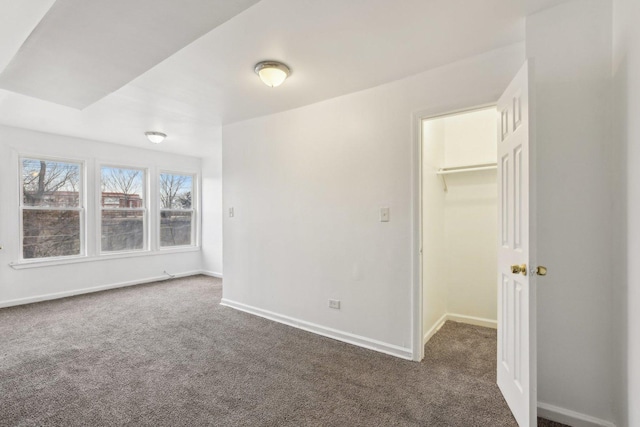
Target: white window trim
{"x": 48, "y": 262}
{"x": 195, "y": 204}
{"x": 82, "y": 209}
{"x": 146, "y": 247}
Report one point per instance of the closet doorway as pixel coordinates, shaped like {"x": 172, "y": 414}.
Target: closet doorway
{"x": 459, "y": 220}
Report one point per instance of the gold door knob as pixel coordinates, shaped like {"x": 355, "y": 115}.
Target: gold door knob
{"x": 519, "y": 269}
{"x": 541, "y": 270}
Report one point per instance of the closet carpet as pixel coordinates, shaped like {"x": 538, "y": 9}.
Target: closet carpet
{"x": 167, "y": 354}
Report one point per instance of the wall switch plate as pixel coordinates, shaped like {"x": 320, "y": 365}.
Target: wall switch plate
{"x": 334, "y": 303}
{"x": 384, "y": 215}
{"x": 231, "y": 213}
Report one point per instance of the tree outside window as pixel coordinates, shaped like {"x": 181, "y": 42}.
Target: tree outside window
{"x": 52, "y": 208}
{"x": 176, "y": 210}
{"x": 123, "y": 216}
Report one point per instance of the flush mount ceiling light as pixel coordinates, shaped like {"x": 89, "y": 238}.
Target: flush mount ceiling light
{"x": 272, "y": 73}
{"x": 156, "y": 137}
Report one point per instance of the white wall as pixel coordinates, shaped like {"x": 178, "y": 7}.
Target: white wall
{"x": 626, "y": 186}
{"x": 471, "y": 254}
{"x": 470, "y": 138}
{"x": 212, "y": 209}
{"x": 434, "y": 289}
{"x": 471, "y": 216}
{"x": 25, "y": 285}
{"x": 307, "y": 185}
{"x": 571, "y": 44}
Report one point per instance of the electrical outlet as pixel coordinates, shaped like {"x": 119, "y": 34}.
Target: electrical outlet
{"x": 334, "y": 303}
{"x": 231, "y": 213}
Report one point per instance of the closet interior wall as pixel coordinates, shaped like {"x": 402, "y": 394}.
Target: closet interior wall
{"x": 459, "y": 225}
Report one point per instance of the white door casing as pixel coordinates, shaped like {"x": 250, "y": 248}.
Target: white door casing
{"x": 516, "y": 368}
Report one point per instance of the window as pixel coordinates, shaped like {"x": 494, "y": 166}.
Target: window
{"x": 176, "y": 210}
{"x": 123, "y": 209}
{"x": 52, "y": 208}
{"x": 53, "y": 220}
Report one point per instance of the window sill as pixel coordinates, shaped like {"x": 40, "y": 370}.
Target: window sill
{"x": 20, "y": 265}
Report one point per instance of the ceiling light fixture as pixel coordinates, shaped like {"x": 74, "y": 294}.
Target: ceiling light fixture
{"x": 272, "y": 73}
{"x": 156, "y": 137}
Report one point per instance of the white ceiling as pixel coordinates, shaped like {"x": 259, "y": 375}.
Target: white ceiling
{"x": 83, "y": 50}
{"x": 333, "y": 47}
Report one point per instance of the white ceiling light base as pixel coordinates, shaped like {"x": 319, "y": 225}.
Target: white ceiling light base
{"x": 156, "y": 137}
{"x": 272, "y": 73}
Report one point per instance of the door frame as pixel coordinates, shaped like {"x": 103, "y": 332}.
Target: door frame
{"x": 417, "y": 333}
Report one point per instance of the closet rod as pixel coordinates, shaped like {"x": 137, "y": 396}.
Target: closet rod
{"x": 470, "y": 168}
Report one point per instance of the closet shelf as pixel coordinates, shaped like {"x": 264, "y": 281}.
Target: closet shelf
{"x": 470, "y": 168}
{"x": 459, "y": 169}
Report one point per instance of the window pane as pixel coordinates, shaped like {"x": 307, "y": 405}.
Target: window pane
{"x": 49, "y": 183}
{"x": 50, "y": 233}
{"x": 175, "y": 228}
{"x": 122, "y": 230}
{"x": 175, "y": 191}
{"x": 122, "y": 188}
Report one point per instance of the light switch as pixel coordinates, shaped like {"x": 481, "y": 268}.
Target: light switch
{"x": 384, "y": 214}
{"x": 231, "y": 213}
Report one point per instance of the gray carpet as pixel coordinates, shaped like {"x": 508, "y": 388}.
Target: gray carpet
{"x": 166, "y": 354}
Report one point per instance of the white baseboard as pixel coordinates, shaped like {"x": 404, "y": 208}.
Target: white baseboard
{"x": 382, "y": 347}
{"x": 471, "y": 320}
{"x": 211, "y": 274}
{"x": 435, "y": 328}
{"x": 65, "y": 294}
{"x": 460, "y": 318}
{"x": 569, "y": 417}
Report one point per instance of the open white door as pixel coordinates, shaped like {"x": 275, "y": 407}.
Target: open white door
{"x": 516, "y": 251}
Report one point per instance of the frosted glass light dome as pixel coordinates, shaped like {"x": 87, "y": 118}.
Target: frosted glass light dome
{"x": 155, "y": 137}
{"x": 272, "y": 73}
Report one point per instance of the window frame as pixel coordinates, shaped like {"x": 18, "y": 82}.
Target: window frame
{"x": 81, "y": 208}
{"x": 146, "y": 246}
{"x": 195, "y": 200}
